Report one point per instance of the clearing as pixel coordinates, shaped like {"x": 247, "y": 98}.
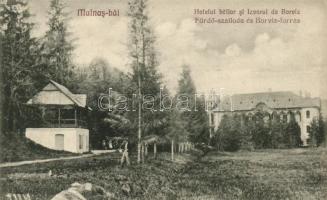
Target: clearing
{"x": 262, "y": 174}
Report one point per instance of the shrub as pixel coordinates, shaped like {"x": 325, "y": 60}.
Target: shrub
{"x": 228, "y": 137}
{"x": 317, "y": 132}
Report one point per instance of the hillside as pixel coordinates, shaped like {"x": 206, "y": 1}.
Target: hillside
{"x": 14, "y": 147}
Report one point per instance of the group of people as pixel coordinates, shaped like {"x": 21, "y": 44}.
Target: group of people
{"x": 107, "y": 144}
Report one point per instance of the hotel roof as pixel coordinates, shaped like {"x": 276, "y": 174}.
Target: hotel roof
{"x": 274, "y": 100}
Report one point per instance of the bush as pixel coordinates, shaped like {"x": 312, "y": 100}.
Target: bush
{"x": 317, "y": 132}
{"x": 228, "y": 137}
{"x": 232, "y": 141}
{"x": 257, "y": 131}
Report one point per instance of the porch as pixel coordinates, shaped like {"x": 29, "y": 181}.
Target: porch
{"x": 63, "y": 117}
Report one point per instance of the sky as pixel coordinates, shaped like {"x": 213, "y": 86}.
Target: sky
{"x": 241, "y": 58}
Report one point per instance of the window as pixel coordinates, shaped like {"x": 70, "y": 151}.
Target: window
{"x": 284, "y": 117}
{"x": 298, "y": 117}
{"x": 308, "y": 114}
{"x": 80, "y": 141}
{"x": 308, "y": 129}
{"x": 212, "y": 119}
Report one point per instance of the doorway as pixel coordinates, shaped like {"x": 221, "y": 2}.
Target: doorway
{"x": 59, "y": 142}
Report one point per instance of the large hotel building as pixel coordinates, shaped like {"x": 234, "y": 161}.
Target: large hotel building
{"x": 283, "y": 104}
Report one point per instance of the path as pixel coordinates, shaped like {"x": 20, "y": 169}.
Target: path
{"x": 19, "y": 163}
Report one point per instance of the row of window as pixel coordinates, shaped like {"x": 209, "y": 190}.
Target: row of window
{"x": 284, "y": 116}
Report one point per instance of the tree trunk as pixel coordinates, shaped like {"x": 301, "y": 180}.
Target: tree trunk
{"x": 142, "y": 153}
{"x": 146, "y": 150}
{"x": 179, "y": 148}
{"x": 139, "y": 152}
{"x": 155, "y": 150}
{"x": 139, "y": 113}
{"x": 172, "y": 150}
{"x": 139, "y": 90}
{"x": 14, "y": 121}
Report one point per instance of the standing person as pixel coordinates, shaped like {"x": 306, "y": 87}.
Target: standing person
{"x": 104, "y": 144}
{"x": 125, "y": 155}
{"x": 110, "y": 144}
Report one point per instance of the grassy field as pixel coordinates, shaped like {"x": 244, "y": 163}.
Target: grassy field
{"x": 267, "y": 174}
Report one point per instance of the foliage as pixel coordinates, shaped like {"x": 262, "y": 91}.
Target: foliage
{"x": 257, "y": 131}
{"x": 57, "y": 46}
{"x": 145, "y": 78}
{"x": 95, "y": 80}
{"x": 199, "y": 123}
{"x": 317, "y": 132}
{"x": 177, "y": 127}
{"x": 20, "y": 72}
{"x": 261, "y": 133}
{"x": 228, "y": 135}
{"x": 277, "y": 133}
{"x": 293, "y": 133}
{"x": 246, "y": 128}
{"x": 191, "y": 108}
{"x": 28, "y": 63}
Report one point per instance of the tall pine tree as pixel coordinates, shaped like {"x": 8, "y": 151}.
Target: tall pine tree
{"x": 18, "y": 67}
{"x": 145, "y": 78}
{"x": 57, "y": 44}
{"x": 192, "y": 108}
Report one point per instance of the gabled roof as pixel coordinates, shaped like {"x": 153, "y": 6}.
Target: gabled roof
{"x": 77, "y": 99}
{"x": 66, "y": 92}
{"x": 81, "y": 98}
{"x": 274, "y": 100}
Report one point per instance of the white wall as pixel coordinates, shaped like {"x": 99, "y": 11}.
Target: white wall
{"x": 218, "y": 116}
{"x": 46, "y": 137}
{"x": 85, "y": 144}
{"x": 314, "y": 113}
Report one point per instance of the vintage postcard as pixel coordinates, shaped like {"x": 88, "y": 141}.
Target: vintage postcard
{"x": 163, "y": 99}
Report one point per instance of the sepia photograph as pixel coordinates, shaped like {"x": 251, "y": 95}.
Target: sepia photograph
{"x": 163, "y": 99}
